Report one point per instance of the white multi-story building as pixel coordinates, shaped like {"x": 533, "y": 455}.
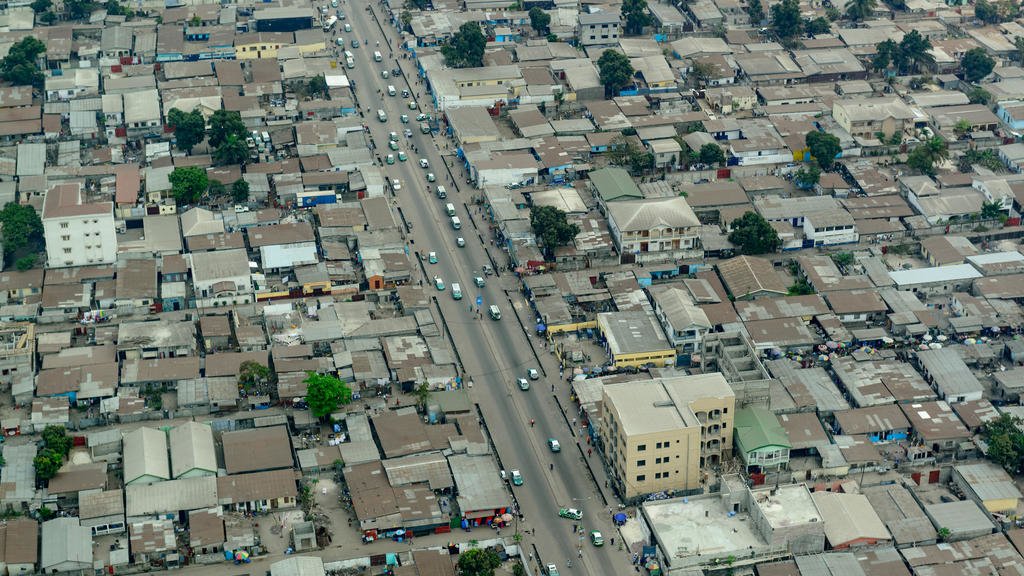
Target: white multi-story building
{"x": 599, "y": 28}
{"x": 77, "y": 233}
{"x": 654, "y": 229}
{"x": 830, "y": 227}
{"x": 221, "y": 278}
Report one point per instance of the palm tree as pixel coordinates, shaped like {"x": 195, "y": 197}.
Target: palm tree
{"x": 231, "y": 151}
{"x": 914, "y": 51}
{"x": 422, "y": 393}
{"x": 1018, "y": 44}
{"x": 860, "y": 9}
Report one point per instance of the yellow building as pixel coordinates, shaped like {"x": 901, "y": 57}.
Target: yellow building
{"x": 635, "y": 339}
{"x": 261, "y": 44}
{"x": 486, "y": 76}
{"x": 310, "y": 41}
{"x": 658, "y": 434}
{"x": 988, "y": 485}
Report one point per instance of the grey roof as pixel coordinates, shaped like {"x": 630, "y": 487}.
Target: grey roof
{"x": 172, "y": 496}
{"x": 192, "y": 449}
{"x": 848, "y": 517}
{"x": 66, "y": 545}
{"x": 950, "y": 374}
{"x": 647, "y": 214}
{"x": 988, "y": 481}
{"x": 18, "y": 476}
{"x": 478, "y": 483}
{"x": 430, "y": 467}
{"x": 210, "y": 266}
{"x": 961, "y": 517}
{"x": 631, "y": 332}
{"x": 145, "y": 455}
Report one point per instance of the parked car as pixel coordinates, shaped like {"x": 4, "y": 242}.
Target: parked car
{"x": 517, "y": 478}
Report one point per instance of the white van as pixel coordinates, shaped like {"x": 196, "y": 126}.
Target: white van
{"x": 450, "y": 208}
{"x": 494, "y": 312}
{"x": 441, "y": 192}
{"x": 266, "y": 137}
{"x": 382, "y": 116}
{"x": 377, "y": 57}
{"x": 391, "y": 90}
{"x": 456, "y": 223}
{"x": 350, "y": 63}
{"x": 456, "y": 291}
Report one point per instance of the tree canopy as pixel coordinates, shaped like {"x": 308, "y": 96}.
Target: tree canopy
{"x": 539, "y": 20}
{"x": 465, "y": 49}
{"x": 251, "y": 373}
{"x": 860, "y": 9}
{"x": 232, "y": 150}
{"x": 636, "y": 16}
{"x": 478, "y": 562}
{"x": 1005, "y": 442}
{"x": 786, "y": 20}
{"x": 78, "y": 9}
{"x": 616, "y": 71}
{"x": 994, "y": 12}
{"x": 626, "y": 151}
{"x": 20, "y": 65}
{"x": 317, "y": 86}
{"x": 756, "y": 12}
{"x": 240, "y": 191}
{"x": 925, "y": 156}
{"x": 754, "y": 235}
{"x": 711, "y": 154}
{"x": 819, "y": 25}
{"x": 188, "y": 184}
{"x": 976, "y": 64}
{"x": 22, "y": 228}
{"x": 325, "y": 394}
{"x": 189, "y": 129}
{"x": 824, "y": 147}
{"x": 807, "y": 176}
{"x": 223, "y": 124}
{"x": 552, "y": 227}
{"x": 702, "y": 71}
{"x": 56, "y": 446}
{"x": 979, "y": 96}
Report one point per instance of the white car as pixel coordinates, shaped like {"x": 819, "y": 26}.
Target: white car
{"x": 424, "y": 164}
{"x": 396, "y": 184}
{"x": 460, "y": 242}
{"x": 532, "y": 372}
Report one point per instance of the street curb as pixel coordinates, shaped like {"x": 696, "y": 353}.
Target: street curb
{"x": 579, "y": 447}
{"x": 444, "y": 323}
{"x": 528, "y": 341}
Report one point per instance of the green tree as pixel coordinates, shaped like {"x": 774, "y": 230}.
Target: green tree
{"x": 20, "y": 66}
{"x": 233, "y": 150}
{"x": 422, "y": 394}
{"x": 860, "y": 9}
{"x": 962, "y": 127}
{"x": 925, "y": 156}
{"x": 240, "y": 191}
{"x": 817, "y": 26}
{"x": 976, "y": 64}
{"x": 832, "y": 13}
{"x": 914, "y": 51}
{"x": 406, "y": 19}
{"x": 807, "y": 176}
{"x": 992, "y": 211}
{"x": 465, "y": 49}
{"x": 884, "y": 55}
{"x": 478, "y": 562}
{"x": 115, "y": 8}
{"x": 78, "y": 9}
{"x": 251, "y": 373}
{"x": 711, "y": 154}
{"x": 26, "y": 262}
{"x": 48, "y": 17}
{"x": 979, "y": 96}
{"x": 943, "y": 534}
{"x": 754, "y": 235}
{"x": 1005, "y": 442}
{"x": 223, "y": 124}
{"x": 756, "y": 12}
{"x": 22, "y": 228}
{"x": 552, "y": 227}
{"x": 47, "y": 463}
{"x": 785, "y": 19}
{"x": 325, "y": 394}
{"x": 626, "y": 151}
{"x": 702, "y": 71}
{"x": 188, "y": 184}
{"x": 800, "y": 288}
{"x": 986, "y": 11}
{"x": 616, "y": 71}
{"x": 539, "y": 20}
{"x": 189, "y": 129}
{"x": 39, "y": 6}
{"x": 56, "y": 438}
{"x": 317, "y": 86}
{"x": 636, "y": 16}
{"x": 1018, "y": 44}
{"x": 824, "y": 147}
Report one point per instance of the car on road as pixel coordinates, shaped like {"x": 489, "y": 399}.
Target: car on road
{"x": 517, "y": 478}
{"x": 384, "y": 74}
{"x": 341, "y": 15}
{"x": 424, "y": 163}
{"x": 404, "y": 118}
{"x": 432, "y": 258}
{"x": 571, "y": 514}
{"x": 596, "y": 539}
{"x": 456, "y": 291}
{"x": 407, "y": 132}
{"x": 532, "y": 372}
{"x": 348, "y": 28}
{"x": 438, "y": 283}
{"x": 393, "y": 145}
{"x": 402, "y": 156}
{"x": 355, "y": 43}
{"x": 390, "y": 159}
{"x": 460, "y": 242}
{"x": 392, "y": 136}
{"x": 431, "y": 177}
{"x": 479, "y": 281}
{"x": 552, "y": 570}
{"x": 554, "y": 445}
{"x": 523, "y": 383}
{"x": 396, "y": 184}
{"x": 422, "y": 117}
{"x": 412, "y": 104}
{"x": 405, "y": 93}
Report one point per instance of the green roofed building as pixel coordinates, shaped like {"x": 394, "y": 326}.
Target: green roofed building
{"x": 614, "y": 183}
{"x": 761, "y": 440}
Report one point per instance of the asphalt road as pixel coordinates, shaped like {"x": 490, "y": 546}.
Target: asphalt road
{"x": 494, "y": 353}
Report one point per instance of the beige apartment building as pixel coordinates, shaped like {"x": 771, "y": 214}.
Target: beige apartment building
{"x": 658, "y": 434}
{"x": 864, "y": 117}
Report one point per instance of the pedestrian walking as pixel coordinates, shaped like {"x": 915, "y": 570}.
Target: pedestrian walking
{"x": 579, "y": 553}
{"x": 588, "y": 451}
